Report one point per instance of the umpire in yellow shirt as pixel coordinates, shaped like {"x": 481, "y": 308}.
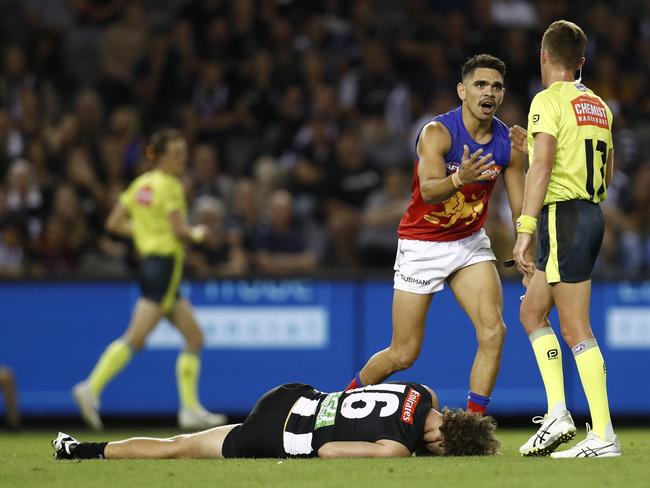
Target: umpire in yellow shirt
{"x": 153, "y": 211}
{"x": 571, "y": 155}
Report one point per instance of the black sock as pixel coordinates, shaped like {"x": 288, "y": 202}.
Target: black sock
{"x": 89, "y": 450}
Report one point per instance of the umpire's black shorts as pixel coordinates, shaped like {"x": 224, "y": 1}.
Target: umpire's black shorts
{"x": 261, "y": 434}
{"x": 159, "y": 278}
{"x": 569, "y": 235}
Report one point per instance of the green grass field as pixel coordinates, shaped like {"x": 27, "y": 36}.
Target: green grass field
{"x": 26, "y": 461}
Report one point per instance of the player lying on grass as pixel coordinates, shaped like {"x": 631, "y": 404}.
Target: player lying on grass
{"x": 296, "y": 420}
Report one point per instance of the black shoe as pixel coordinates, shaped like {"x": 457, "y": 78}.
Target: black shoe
{"x": 63, "y": 446}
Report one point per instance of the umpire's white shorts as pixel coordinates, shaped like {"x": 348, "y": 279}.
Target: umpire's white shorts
{"x": 423, "y": 266}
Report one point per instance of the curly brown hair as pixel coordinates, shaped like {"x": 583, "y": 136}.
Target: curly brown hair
{"x": 468, "y": 434}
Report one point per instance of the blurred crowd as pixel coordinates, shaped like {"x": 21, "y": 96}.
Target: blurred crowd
{"x": 301, "y": 117}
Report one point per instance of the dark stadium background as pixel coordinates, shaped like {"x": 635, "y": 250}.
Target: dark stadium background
{"x": 274, "y": 96}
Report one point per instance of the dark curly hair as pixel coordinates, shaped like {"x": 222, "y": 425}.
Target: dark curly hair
{"x": 468, "y": 434}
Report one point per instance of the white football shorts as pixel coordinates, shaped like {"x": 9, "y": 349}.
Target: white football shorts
{"x": 423, "y": 266}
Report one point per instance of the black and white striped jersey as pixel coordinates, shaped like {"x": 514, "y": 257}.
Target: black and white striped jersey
{"x": 394, "y": 411}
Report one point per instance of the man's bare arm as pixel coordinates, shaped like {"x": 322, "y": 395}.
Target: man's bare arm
{"x": 539, "y": 174}
{"x": 183, "y": 230}
{"x": 383, "y": 448}
{"x": 609, "y": 172}
{"x": 514, "y": 179}
{"x": 118, "y": 221}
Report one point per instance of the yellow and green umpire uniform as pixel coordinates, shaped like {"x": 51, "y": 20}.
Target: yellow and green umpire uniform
{"x": 149, "y": 200}
{"x": 571, "y": 227}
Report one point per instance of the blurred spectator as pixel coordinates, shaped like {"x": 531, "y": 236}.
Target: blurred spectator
{"x": 89, "y": 192}
{"x": 67, "y": 213}
{"x": 159, "y": 80}
{"x": 65, "y": 235}
{"x": 24, "y": 196}
{"x": 212, "y": 102}
{"x": 306, "y": 164}
{"x": 350, "y": 180}
{"x": 13, "y": 245}
{"x": 382, "y": 213}
{"x": 281, "y": 246}
{"x": 222, "y": 254}
{"x": 122, "y": 44}
{"x": 383, "y": 147}
{"x": 125, "y": 126}
{"x": 89, "y": 122}
{"x": 634, "y": 223}
{"x": 11, "y": 141}
{"x": 208, "y": 179}
{"x": 244, "y": 212}
{"x": 56, "y": 252}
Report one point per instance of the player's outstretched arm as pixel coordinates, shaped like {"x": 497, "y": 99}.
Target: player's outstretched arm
{"x": 383, "y": 448}
{"x": 118, "y": 221}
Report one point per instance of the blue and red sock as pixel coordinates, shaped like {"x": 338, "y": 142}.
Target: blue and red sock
{"x": 355, "y": 383}
{"x": 477, "y": 403}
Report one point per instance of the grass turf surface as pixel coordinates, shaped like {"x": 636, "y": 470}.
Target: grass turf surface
{"x": 26, "y": 461}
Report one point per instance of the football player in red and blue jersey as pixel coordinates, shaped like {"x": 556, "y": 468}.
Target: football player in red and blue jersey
{"x": 460, "y": 154}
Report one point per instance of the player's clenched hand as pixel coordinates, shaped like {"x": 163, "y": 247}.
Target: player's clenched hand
{"x": 519, "y": 138}
{"x": 519, "y": 254}
{"x": 474, "y": 168}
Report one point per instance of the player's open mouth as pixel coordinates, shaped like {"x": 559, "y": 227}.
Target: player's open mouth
{"x": 487, "y": 106}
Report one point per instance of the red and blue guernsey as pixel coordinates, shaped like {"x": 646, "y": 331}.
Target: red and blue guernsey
{"x": 463, "y": 213}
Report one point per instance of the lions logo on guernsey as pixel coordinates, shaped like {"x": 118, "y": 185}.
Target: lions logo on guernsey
{"x": 464, "y": 213}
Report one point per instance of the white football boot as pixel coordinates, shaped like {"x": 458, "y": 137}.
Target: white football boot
{"x": 553, "y": 432}
{"x": 592, "y": 446}
{"x": 199, "y": 418}
{"x": 88, "y": 405}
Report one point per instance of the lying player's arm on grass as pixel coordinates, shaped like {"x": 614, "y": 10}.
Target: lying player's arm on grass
{"x": 383, "y": 448}
{"x": 118, "y": 221}
{"x": 539, "y": 174}
{"x": 183, "y": 230}
{"x": 435, "y": 185}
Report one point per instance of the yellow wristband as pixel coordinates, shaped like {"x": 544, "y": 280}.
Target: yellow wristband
{"x": 526, "y": 224}
{"x": 455, "y": 179}
{"x": 197, "y": 234}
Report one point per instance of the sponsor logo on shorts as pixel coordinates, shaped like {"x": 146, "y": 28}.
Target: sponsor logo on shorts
{"x": 410, "y": 404}
{"x": 415, "y": 281}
